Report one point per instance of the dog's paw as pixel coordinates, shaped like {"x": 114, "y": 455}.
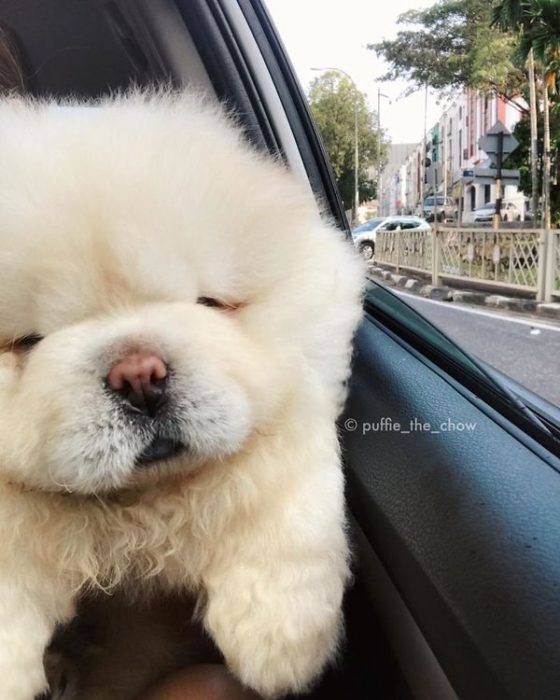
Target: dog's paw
{"x": 281, "y": 656}
{"x": 45, "y": 695}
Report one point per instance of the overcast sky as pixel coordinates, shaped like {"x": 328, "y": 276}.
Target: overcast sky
{"x": 321, "y": 33}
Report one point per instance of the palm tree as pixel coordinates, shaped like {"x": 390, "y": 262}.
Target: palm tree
{"x": 534, "y": 137}
{"x": 541, "y": 34}
{"x": 511, "y": 16}
{"x": 542, "y": 37}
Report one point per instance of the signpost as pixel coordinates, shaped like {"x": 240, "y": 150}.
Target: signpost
{"x": 498, "y": 143}
{"x": 487, "y": 176}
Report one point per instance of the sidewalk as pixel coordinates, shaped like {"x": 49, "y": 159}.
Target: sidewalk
{"x": 443, "y": 293}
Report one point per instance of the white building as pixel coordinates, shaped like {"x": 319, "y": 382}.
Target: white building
{"x": 393, "y": 180}
{"x": 452, "y": 149}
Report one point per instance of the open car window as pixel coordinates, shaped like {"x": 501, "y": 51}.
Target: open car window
{"x": 495, "y": 293}
{"x": 540, "y": 420}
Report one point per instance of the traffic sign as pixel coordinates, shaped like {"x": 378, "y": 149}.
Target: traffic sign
{"x": 498, "y": 143}
{"x": 490, "y": 142}
{"x": 487, "y": 176}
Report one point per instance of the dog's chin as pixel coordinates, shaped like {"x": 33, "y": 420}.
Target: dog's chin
{"x": 160, "y": 460}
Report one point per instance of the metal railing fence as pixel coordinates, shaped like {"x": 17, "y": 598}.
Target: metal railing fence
{"x": 526, "y": 260}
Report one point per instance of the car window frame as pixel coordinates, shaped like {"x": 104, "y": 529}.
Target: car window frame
{"x": 499, "y": 396}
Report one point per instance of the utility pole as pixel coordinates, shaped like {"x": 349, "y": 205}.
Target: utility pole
{"x": 499, "y": 161}
{"x": 356, "y": 203}
{"x": 379, "y": 169}
{"x": 444, "y": 155}
{"x": 434, "y": 188}
{"x": 437, "y": 155}
{"x": 546, "y": 157}
{"x": 534, "y": 138}
{"x": 423, "y": 158}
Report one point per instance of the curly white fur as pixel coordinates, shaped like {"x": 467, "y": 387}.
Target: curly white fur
{"x": 114, "y": 219}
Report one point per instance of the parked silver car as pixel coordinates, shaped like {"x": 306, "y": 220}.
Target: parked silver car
{"x": 444, "y": 208}
{"x": 484, "y": 214}
{"x": 364, "y": 236}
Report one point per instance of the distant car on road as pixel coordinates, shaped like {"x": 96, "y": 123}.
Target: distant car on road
{"x": 446, "y": 208}
{"x": 364, "y": 236}
{"x": 485, "y": 213}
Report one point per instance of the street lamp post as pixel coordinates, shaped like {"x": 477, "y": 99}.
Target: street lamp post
{"x": 379, "y": 171}
{"x": 356, "y": 197}
{"x": 424, "y": 147}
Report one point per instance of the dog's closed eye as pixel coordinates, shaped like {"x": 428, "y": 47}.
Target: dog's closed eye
{"x": 26, "y": 342}
{"x": 217, "y": 303}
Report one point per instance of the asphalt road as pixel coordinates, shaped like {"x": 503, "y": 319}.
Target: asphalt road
{"x": 526, "y": 349}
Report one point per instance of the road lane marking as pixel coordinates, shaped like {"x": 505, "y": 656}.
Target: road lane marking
{"x": 479, "y": 312}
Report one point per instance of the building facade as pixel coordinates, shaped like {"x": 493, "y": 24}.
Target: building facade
{"x": 392, "y": 185}
{"x": 449, "y": 158}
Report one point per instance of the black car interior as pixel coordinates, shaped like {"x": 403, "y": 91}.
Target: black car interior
{"x": 456, "y": 534}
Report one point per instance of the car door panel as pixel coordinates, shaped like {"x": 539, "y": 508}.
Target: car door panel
{"x": 466, "y": 524}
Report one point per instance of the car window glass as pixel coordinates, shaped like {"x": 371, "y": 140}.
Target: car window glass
{"x": 368, "y": 226}
{"x": 421, "y": 136}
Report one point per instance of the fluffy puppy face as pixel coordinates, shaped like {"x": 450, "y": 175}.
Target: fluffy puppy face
{"x": 81, "y": 426}
{"x": 161, "y": 293}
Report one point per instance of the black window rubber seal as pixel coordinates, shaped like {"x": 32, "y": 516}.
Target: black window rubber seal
{"x": 228, "y": 70}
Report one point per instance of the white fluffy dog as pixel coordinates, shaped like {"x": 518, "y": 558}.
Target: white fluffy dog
{"x": 175, "y": 333}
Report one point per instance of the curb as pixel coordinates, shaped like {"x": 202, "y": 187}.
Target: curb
{"x": 494, "y": 301}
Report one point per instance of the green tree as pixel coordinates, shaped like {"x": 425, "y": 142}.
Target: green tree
{"x": 333, "y": 99}
{"x": 540, "y": 20}
{"x": 452, "y": 46}
{"x": 520, "y": 158}
{"x": 508, "y": 16}
{"x": 538, "y": 25}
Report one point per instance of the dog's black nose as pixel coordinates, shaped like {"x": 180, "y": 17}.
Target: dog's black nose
{"x": 141, "y": 381}
{"x": 148, "y": 398}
